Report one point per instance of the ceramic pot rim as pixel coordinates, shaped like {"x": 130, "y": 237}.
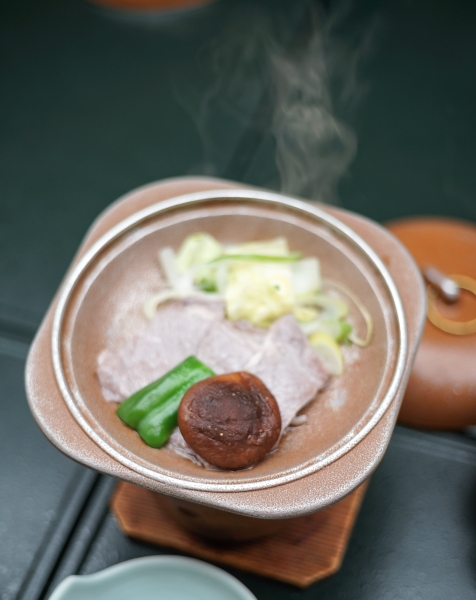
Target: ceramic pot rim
{"x": 190, "y": 200}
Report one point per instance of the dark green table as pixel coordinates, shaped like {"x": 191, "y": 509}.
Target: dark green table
{"x": 93, "y": 105}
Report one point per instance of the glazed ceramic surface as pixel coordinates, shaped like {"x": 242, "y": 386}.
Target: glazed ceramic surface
{"x": 98, "y": 305}
{"x": 168, "y": 577}
{"x": 441, "y": 392}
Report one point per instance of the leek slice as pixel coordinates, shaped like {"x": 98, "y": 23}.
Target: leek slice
{"x": 305, "y": 314}
{"x": 149, "y": 308}
{"x": 328, "y": 351}
{"x": 334, "y": 307}
{"x": 337, "y": 330}
{"x": 291, "y": 257}
{"x": 354, "y": 338}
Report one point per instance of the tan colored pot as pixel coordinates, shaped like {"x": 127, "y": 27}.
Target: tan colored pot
{"x": 309, "y": 471}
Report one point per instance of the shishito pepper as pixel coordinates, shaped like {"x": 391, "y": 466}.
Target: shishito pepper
{"x": 156, "y": 427}
{"x": 152, "y": 410}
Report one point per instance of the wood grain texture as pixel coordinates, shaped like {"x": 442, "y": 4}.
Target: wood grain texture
{"x": 308, "y": 549}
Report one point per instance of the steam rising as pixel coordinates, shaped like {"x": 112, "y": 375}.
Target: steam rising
{"x": 288, "y": 87}
{"x": 313, "y": 148}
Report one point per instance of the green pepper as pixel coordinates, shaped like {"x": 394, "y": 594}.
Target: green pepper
{"x": 137, "y": 406}
{"x": 156, "y": 427}
{"x": 152, "y": 410}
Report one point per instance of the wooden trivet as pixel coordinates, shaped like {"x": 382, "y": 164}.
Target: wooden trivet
{"x": 310, "y": 548}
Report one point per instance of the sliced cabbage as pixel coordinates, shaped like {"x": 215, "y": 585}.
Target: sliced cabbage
{"x": 167, "y": 260}
{"x": 260, "y": 281}
{"x": 193, "y": 258}
{"x": 182, "y": 284}
{"x": 275, "y": 247}
{"x": 221, "y": 278}
{"x": 306, "y": 277}
{"x": 197, "y": 249}
{"x": 258, "y": 292}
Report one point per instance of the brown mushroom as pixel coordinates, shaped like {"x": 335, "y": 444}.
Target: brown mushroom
{"x": 231, "y": 420}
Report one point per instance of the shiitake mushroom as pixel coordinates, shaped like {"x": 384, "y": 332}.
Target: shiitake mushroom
{"x": 230, "y": 420}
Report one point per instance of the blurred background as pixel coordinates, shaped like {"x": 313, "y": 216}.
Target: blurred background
{"x": 369, "y": 105}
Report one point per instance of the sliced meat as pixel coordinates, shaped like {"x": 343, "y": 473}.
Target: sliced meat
{"x": 289, "y": 367}
{"x": 231, "y": 421}
{"x": 174, "y": 333}
{"x": 281, "y": 357}
{"x": 229, "y": 345}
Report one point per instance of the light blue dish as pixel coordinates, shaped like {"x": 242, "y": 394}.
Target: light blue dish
{"x": 154, "y": 578}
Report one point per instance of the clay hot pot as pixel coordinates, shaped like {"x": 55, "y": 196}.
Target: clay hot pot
{"x": 98, "y": 305}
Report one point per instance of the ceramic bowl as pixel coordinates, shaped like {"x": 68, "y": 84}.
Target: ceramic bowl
{"x": 171, "y": 577}
{"x": 98, "y": 306}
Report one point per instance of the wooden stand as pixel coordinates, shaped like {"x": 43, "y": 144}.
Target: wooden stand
{"x": 308, "y": 549}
